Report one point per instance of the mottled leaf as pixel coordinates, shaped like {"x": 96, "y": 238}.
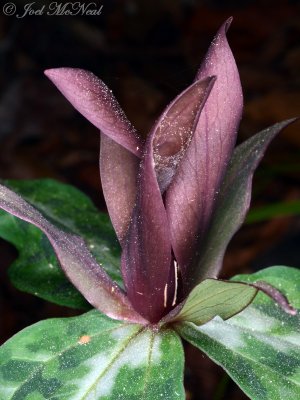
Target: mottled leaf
{"x": 37, "y": 270}
{"x": 215, "y": 298}
{"x": 260, "y": 347}
{"x": 233, "y": 201}
{"x": 91, "y": 357}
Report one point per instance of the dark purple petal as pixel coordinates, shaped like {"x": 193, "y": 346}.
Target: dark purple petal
{"x": 146, "y": 258}
{"x": 147, "y": 264}
{"x": 233, "y": 202}
{"x": 76, "y": 261}
{"x": 190, "y": 199}
{"x": 174, "y": 130}
{"x": 118, "y": 170}
{"x": 92, "y": 98}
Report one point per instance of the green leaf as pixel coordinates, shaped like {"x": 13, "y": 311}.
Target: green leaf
{"x": 91, "y": 357}
{"x": 269, "y": 211}
{"x": 36, "y": 270}
{"x": 260, "y": 347}
{"x": 212, "y": 297}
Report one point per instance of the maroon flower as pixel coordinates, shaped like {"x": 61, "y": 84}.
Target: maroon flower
{"x": 164, "y": 196}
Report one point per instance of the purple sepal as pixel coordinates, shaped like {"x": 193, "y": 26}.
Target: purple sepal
{"x": 76, "y": 261}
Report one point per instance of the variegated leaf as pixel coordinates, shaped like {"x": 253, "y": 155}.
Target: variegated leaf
{"x": 260, "y": 347}
{"x": 91, "y": 357}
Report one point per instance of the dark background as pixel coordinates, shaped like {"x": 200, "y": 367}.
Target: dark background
{"x": 147, "y": 53}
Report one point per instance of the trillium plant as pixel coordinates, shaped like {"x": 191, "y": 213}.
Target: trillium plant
{"x": 175, "y": 200}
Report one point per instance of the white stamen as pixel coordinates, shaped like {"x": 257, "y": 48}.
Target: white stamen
{"x": 140, "y": 293}
{"x": 165, "y": 295}
{"x": 176, "y": 282}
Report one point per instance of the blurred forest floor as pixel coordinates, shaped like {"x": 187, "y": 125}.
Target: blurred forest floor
{"x": 147, "y": 54}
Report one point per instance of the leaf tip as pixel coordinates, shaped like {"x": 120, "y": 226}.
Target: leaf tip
{"x": 277, "y": 296}
{"x": 227, "y": 24}
{"x": 51, "y": 73}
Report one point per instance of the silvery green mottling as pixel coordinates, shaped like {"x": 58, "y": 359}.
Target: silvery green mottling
{"x": 91, "y": 357}
{"x": 259, "y": 347}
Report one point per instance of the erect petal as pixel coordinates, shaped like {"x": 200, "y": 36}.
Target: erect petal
{"x": 118, "y": 170}
{"x": 147, "y": 263}
{"x": 76, "y": 261}
{"x": 174, "y": 129}
{"x": 92, "y": 98}
{"x": 233, "y": 201}
{"x": 146, "y": 257}
{"x": 190, "y": 199}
